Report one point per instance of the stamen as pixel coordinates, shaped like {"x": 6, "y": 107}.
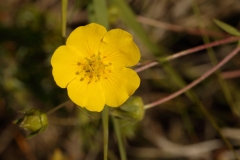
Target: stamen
{"x": 94, "y": 68}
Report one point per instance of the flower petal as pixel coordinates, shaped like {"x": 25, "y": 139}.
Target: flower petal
{"x": 65, "y": 65}
{"x": 118, "y": 48}
{"x": 120, "y": 84}
{"x": 87, "y": 38}
{"x": 87, "y": 95}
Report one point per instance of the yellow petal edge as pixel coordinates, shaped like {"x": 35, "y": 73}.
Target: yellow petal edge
{"x": 92, "y": 51}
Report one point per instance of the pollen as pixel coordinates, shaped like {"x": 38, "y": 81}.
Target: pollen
{"x": 94, "y": 66}
{"x": 94, "y": 69}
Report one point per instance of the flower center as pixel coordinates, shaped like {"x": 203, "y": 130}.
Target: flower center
{"x": 93, "y": 68}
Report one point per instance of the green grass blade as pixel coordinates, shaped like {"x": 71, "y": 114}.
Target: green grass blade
{"x": 222, "y": 82}
{"x": 64, "y": 20}
{"x": 128, "y": 17}
{"x": 227, "y": 28}
{"x": 100, "y": 11}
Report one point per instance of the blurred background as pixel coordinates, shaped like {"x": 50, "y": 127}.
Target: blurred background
{"x": 30, "y": 31}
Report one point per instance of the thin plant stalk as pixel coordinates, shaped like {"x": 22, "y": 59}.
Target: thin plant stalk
{"x": 64, "y": 20}
{"x": 177, "y": 28}
{"x": 194, "y": 83}
{"x": 202, "y": 47}
{"x": 222, "y": 82}
{"x": 212, "y": 56}
{"x": 64, "y": 24}
{"x": 101, "y": 17}
{"x": 119, "y": 138}
{"x": 231, "y": 74}
{"x": 105, "y": 119}
{"x": 188, "y": 51}
{"x": 176, "y": 78}
{"x": 58, "y": 107}
{"x": 187, "y": 123}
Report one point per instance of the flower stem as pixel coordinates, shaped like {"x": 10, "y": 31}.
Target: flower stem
{"x": 222, "y": 82}
{"x": 188, "y": 51}
{"x": 194, "y": 83}
{"x": 119, "y": 138}
{"x": 64, "y": 20}
{"x": 202, "y": 47}
{"x": 105, "y": 117}
{"x": 58, "y": 107}
{"x": 197, "y": 81}
{"x": 212, "y": 56}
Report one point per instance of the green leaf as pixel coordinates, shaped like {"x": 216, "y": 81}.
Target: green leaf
{"x": 64, "y": 20}
{"x": 227, "y": 28}
{"x": 101, "y": 13}
{"x": 91, "y": 12}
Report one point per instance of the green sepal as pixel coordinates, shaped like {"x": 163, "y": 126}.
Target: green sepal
{"x": 35, "y": 121}
{"x": 131, "y": 110}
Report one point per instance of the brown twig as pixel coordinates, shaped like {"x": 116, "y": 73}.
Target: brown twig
{"x": 177, "y": 28}
{"x": 149, "y": 65}
{"x": 194, "y": 83}
{"x": 231, "y": 74}
{"x": 205, "y": 46}
{"x": 189, "y": 51}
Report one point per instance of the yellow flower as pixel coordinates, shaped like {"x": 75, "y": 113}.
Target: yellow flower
{"x": 93, "y": 66}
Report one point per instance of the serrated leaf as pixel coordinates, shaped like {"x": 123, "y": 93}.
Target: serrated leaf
{"x": 227, "y": 28}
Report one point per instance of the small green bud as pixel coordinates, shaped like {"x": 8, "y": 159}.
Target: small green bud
{"x": 129, "y": 113}
{"x": 132, "y": 109}
{"x": 34, "y": 121}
